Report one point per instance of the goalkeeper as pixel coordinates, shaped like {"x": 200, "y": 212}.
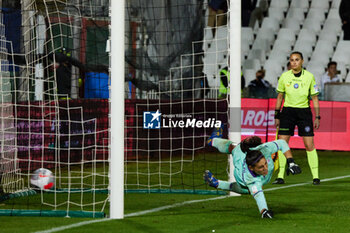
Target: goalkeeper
{"x": 253, "y": 166}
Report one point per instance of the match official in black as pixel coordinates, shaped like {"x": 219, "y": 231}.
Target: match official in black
{"x": 296, "y": 86}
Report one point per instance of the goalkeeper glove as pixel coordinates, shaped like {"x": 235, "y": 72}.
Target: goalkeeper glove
{"x": 267, "y": 214}
{"x": 293, "y": 168}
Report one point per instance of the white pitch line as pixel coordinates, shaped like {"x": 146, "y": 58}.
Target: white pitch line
{"x": 131, "y": 214}
{"x": 62, "y": 228}
{"x": 175, "y": 205}
{"x": 301, "y": 184}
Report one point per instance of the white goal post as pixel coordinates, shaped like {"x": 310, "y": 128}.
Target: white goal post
{"x": 235, "y": 72}
{"x": 116, "y": 168}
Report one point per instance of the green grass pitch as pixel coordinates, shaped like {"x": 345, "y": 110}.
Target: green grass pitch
{"x": 303, "y": 208}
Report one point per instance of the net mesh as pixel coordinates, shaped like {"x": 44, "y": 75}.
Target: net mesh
{"x": 9, "y": 171}
{"x": 173, "y": 71}
{"x": 44, "y": 123}
{"x": 50, "y": 120}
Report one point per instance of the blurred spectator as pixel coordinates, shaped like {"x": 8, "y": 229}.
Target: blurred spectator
{"x": 331, "y": 75}
{"x": 242, "y": 81}
{"x": 344, "y": 12}
{"x": 224, "y": 82}
{"x": 259, "y": 87}
{"x": 247, "y": 7}
{"x": 61, "y": 61}
{"x": 63, "y": 66}
{"x": 258, "y": 13}
{"x": 289, "y": 67}
{"x": 216, "y": 18}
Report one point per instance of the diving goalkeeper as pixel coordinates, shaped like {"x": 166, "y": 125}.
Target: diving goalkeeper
{"x": 253, "y": 166}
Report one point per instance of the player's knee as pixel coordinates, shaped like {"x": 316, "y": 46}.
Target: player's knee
{"x": 309, "y": 147}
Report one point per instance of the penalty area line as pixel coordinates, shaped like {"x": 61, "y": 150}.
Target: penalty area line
{"x": 139, "y": 213}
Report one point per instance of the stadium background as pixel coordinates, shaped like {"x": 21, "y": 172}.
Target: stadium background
{"x": 150, "y": 69}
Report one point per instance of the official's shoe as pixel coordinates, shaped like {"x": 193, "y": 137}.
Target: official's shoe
{"x": 217, "y": 133}
{"x": 278, "y": 181}
{"x": 316, "y": 181}
{"x": 210, "y": 179}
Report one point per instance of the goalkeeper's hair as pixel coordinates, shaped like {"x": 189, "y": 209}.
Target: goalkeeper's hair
{"x": 253, "y": 157}
{"x": 249, "y": 143}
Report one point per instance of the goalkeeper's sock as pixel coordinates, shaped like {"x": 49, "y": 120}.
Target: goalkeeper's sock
{"x": 312, "y": 158}
{"x": 231, "y": 186}
{"x": 222, "y": 144}
{"x": 282, "y": 162}
{"x": 238, "y": 189}
{"x": 224, "y": 185}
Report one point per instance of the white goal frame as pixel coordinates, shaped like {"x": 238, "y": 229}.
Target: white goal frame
{"x": 117, "y": 12}
{"x": 116, "y": 168}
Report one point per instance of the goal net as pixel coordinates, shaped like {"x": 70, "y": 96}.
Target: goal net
{"x": 174, "y": 100}
{"x": 55, "y": 109}
{"x": 51, "y": 58}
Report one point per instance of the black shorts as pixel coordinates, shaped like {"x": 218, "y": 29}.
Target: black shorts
{"x": 302, "y": 117}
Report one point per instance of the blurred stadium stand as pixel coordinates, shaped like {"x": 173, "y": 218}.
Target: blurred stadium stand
{"x": 312, "y": 27}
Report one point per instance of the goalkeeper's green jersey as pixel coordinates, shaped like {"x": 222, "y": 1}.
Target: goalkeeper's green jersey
{"x": 297, "y": 90}
{"x": 246, "y": 178}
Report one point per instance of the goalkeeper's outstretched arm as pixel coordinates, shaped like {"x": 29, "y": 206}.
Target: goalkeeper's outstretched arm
{"x": 223, "y": 145}
{"x": 262, "y": 205}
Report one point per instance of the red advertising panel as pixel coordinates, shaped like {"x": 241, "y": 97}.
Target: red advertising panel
{"x": 333, "y": 134}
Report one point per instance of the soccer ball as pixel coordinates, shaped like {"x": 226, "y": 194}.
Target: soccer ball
{"x": 43, "y": 178}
